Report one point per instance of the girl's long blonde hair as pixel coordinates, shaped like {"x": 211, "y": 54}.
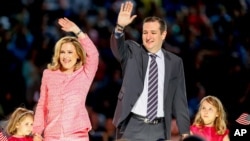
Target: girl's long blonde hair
{"x": 55, "y": 64}
{"x": 15, "y": 118}
{"x": 220, "y": 121}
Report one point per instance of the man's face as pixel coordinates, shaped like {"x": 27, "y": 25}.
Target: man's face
{"x": 152, "y": 37}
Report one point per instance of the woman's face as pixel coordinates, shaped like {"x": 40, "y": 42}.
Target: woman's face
{"x": 208, "y": 113}
{"x": 68, "y": 57}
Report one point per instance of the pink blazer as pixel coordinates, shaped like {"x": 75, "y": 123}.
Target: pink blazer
{"x": 61, "y": 106}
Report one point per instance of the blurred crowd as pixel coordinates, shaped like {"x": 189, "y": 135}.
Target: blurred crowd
{"x": 211, "y": 36}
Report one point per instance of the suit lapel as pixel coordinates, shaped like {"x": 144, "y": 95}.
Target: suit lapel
{"x": 144, "y": 64}
{"x": 167, "y": 71}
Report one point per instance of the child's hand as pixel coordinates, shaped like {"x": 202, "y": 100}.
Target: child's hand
{"x": 37, "y": 137}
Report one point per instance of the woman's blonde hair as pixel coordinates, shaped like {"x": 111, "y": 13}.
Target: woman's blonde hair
{"x": 55, "y": 64}
{"x": 15, "y": 118}
{"x": 220, "y": 121}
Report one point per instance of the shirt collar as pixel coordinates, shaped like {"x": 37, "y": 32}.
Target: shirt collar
{"x": 158, "y": 53}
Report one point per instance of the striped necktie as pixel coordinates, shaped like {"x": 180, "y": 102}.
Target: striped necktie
{"x": 152, "y": 89}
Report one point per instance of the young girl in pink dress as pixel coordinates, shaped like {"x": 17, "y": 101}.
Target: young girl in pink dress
{"x": 20, "y": 124}
{"x": 210, "y": 120}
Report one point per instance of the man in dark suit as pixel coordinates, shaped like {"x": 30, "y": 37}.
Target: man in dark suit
{"x": 132, "y": 118}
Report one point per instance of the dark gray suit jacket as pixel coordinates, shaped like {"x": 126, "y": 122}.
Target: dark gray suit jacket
{"x": 134, "y": 59}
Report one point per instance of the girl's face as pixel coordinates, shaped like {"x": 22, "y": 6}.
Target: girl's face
{"x": 68, "y": 57}
{"x": 24, "y": 127}
{"x": 208, "y": 113}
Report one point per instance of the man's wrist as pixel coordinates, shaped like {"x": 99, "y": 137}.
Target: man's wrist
{"x": 119, "y": 28}
{"x": 118, "y": 25}
{"x": 183, "y": 136}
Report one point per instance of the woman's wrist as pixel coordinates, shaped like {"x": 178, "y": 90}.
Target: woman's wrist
{"x": 78, "y": 33}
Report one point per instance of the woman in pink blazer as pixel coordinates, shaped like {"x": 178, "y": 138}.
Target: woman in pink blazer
{"x": 61, "y": 113}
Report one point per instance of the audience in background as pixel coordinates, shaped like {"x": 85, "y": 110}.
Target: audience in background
{"x": 214, "y": 46}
